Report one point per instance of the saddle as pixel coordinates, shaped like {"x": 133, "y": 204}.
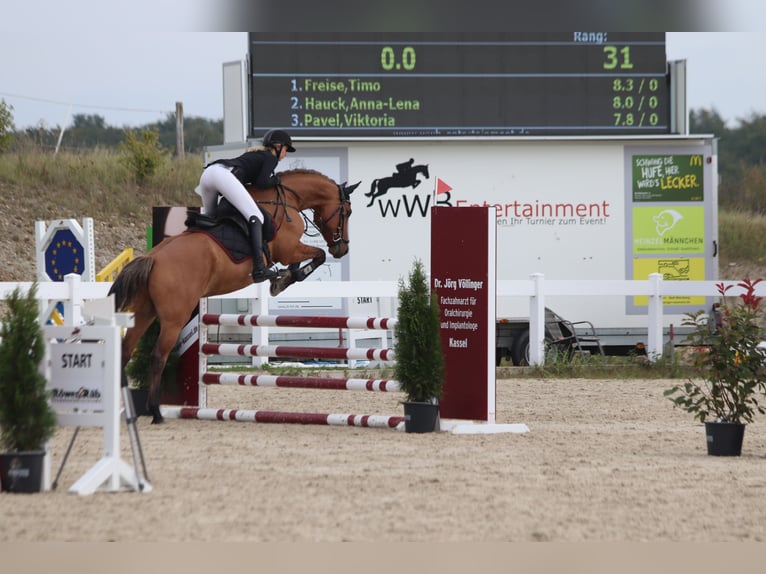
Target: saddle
{"x": 230, "y": 230}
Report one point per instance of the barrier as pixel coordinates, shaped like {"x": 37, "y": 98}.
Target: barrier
{"x": 234, "y": 350}
{"x": 113, "y": 268}
{"x": 300, "y": 321}
{"x": 201, "y": 412}
{"x": 536, "y": 289}
{"x": 241, "y": 415}
{"x": 379, "y": 385}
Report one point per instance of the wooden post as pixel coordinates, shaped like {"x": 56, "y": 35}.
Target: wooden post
{"x": 180, "y": 130}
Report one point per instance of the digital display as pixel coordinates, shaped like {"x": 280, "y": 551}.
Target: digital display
{"x": 398, "y": 84}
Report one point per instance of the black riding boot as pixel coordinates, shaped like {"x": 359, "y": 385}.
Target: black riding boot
{"x": 260, "y": 271}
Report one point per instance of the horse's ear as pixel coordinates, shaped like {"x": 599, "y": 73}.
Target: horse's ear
{"x": 350, "y": 189}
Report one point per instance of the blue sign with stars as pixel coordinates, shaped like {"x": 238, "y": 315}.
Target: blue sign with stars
{"x": 64, "y": 255}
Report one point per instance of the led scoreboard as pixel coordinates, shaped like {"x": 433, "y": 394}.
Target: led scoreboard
{"x": 398, "y": 84}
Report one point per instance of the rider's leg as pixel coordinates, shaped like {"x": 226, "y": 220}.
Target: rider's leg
{"x": 220, "y": 179}
{"x": 260, "y": 271}
{"x": 207, "y": 189}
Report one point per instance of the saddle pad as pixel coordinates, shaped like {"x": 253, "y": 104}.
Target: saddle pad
{"x": 230, "y": 238}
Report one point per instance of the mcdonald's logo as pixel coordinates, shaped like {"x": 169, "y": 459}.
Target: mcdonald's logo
{"x": 695, "y": 159}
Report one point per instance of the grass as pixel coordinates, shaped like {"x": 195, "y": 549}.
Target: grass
{"x": 742, "y": 236}
{"x": 98, "y": 182}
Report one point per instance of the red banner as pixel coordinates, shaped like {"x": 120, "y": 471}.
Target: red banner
{"x": 463, "y": 276}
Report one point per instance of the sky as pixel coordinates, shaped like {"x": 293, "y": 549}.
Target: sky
{"x": 132, "y": 73}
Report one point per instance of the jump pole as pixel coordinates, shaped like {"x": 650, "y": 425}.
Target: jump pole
{"x": 258, "y": 416}
{"x": 201, "y": 412}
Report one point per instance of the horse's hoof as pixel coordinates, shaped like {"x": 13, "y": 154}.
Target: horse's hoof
{"x": 276, "y": 287}
{"x": 280, "y": 283}
{"x": 157, "y": 418}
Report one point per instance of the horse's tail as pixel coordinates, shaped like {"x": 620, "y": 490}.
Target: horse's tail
{"x": 132, "y": 281}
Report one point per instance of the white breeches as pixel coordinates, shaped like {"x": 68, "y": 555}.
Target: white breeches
{"x": 217, "y": 179}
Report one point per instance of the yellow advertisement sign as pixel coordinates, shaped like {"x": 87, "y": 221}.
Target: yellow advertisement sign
{"x": 672, "y": 269}
{"x": 668, "y": 229}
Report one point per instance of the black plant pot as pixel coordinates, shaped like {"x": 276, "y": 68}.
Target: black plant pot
{"x": 724, "y": 439}
{"x": 21, "y": 471}
{"x": 140, "y": 396}
{"x": 420, "y": 417}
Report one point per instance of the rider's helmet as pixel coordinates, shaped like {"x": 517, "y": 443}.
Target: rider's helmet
{"x": 273, "y": 137}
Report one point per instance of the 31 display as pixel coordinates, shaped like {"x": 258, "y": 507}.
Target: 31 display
{"x": 388, "y": 85}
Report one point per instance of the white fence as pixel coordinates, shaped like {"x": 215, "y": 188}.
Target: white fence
{"x": 71, "y": 292}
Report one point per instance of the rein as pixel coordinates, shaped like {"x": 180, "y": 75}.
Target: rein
{"x": 318, "y": 223}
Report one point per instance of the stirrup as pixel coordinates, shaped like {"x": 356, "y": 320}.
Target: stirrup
{"x": 264, "y": 274}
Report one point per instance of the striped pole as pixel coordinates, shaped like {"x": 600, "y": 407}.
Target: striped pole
{"x": 300, "y": 382}
{"x": 235, "y": 350}
{"x": 197, "y": 413}
{"x": 299, "y": 321}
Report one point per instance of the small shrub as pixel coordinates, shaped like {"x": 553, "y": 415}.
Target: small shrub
{"x": 6, "y": 126}
{"x": 419, "y": 366}
{"x": 730, "y": 363}
{"x": 138, "y": 368}
{"x": 143, "y": 154}
{"x": 27, "y": 420}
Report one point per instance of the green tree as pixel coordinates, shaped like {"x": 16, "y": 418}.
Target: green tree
{"x": 198, "y": 132}
{"x": 419, "y": 360}
{"x": 27, "y": 420}
{"x": 6, "y": 126}
{"x": 707, "y": 122}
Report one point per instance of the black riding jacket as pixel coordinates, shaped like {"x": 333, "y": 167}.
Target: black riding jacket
{"x": 253, "y": 167}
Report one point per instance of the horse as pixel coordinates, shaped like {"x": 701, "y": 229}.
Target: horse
{"x": 406, "y": 178}
{"x": 168, "y": 282}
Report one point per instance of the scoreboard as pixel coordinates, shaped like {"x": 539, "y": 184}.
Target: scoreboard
{"x": 397, "y": 84}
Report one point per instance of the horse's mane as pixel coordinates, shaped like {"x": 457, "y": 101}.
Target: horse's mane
{"x": 302, "y": 171}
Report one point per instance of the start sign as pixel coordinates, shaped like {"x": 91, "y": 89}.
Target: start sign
{"x": 78, "y": 373}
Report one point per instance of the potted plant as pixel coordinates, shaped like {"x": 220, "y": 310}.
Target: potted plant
{"x": 419, "y": 366}
{"x": 27, "y": 419}
{"x": 138, "y": 369}
{"x": 730, "y": 367}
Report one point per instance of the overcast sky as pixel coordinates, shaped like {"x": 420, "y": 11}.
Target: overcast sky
{"x": 133, "y": 74}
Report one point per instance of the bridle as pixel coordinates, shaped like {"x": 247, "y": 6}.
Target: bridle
{"x": 342, "y": 213}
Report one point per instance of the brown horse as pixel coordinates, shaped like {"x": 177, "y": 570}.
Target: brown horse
{"x": 169, "y": 281}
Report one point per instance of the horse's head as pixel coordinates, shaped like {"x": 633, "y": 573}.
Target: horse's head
{"x": 332, "y": 217}
{"x": 330, "y": 202}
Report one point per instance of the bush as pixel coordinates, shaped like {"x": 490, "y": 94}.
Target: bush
{"x": 730, "y": 361}
{"x": 6, "y": 126}
{"x": 143, "y": 154}
{"x": 138, "y": 368}
{"x": 27, "y": 420}
{"x": 419, "y": 366}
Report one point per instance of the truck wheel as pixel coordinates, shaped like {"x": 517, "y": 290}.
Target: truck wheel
{"x": 520, "y": 351}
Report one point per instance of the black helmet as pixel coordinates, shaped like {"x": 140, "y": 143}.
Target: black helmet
{"x": 273, "y": 137}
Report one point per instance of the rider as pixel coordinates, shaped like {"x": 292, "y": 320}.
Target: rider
{"x": 228, "y": 177}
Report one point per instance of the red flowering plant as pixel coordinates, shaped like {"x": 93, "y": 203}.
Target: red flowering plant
{"x": 730, "y": 362}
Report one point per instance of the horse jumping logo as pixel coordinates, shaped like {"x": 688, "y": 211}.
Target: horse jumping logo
{"x": 406, "y": 175}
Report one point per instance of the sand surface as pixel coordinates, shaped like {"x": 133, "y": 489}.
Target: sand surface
{"x": 604, "y": 461}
